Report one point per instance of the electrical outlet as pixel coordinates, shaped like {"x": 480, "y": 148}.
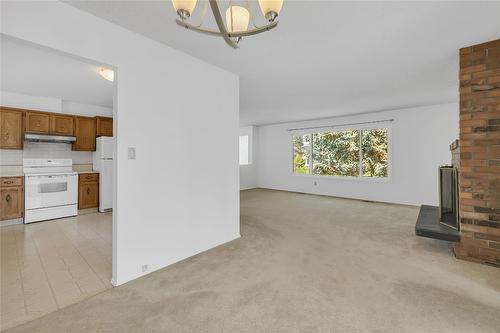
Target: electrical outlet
{"x": 131, "y": 153}
{"x": 145, "y": 268}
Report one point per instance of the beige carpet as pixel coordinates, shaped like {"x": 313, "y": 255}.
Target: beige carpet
{"x": 304, "y": 264}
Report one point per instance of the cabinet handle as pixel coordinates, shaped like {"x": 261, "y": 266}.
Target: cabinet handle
{"x": 88, "y": 190}
{"x": 8, "y": 182}
{"x": 7, "y": 198}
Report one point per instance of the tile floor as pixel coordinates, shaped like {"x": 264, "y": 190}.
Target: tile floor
{"x": 48, "y": 265}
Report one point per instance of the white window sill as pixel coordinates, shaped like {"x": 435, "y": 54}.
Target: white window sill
{"x": 345, "y": 178}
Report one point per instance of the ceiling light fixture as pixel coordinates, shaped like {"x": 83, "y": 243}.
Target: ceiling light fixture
{"x": 237, "y": 18}
{"x": 106, "y": 73}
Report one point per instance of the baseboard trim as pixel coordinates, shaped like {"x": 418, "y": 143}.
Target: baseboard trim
{"x": 6, "y": 223}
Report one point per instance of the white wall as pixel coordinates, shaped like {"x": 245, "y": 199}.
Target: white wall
{"x": 51, "y": 104}
{"x": 420, "y": 143}
{"x": 248, "y": 173}
{"x": 169, "y": 205}
{"x": 48, "y": 150}
{"x": 86, "y": 109}
{"x": 20, "y": 100}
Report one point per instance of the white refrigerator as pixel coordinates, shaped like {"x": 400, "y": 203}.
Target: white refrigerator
{"x": 103, "y": 162}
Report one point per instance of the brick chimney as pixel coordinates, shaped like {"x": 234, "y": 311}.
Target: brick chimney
{"x": 479, "y": 144}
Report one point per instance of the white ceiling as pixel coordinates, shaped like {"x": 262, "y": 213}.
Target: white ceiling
{"x": 330, "y": 58}
{"x": 33, "y": 70}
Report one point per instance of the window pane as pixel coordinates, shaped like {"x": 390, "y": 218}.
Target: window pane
{"x": 375, "y": 152}
{"x": 301, "y": 152}
{"x": 336, "y": 153}
{"x": 244, "y": 149}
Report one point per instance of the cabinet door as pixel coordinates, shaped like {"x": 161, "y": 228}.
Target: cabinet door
{"x": 11, "y": 129}
{"x": 37, "y": 122}
{"x": 61, "y": 125}
{"x": 11, "y": 202}
{"x": 88, "y": 196}
{"x": 85, "y": 134}
{"x": 104, "y": 126}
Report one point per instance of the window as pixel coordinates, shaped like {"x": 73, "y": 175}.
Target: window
{"x": 244, "y": 150}
{"x": 301, "y": 153}
{"x": 336, "y": 153}
{"x": 375, "y": 144}
{"x": 346, "y": 153}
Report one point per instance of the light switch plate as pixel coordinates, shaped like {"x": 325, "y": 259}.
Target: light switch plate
{"x": 131, "y": 153}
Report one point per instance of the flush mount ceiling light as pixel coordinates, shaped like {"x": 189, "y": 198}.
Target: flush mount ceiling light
{"x": 237, "y": 18}
{"x": 106, "y": 73}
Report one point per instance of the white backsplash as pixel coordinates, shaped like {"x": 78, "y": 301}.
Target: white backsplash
{"x": 44, "y": 150}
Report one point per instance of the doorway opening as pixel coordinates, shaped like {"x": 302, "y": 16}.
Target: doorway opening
{"x": 58, "y": 172}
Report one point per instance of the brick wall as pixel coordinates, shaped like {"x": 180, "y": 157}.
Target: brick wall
{"x": 479, "y": 181}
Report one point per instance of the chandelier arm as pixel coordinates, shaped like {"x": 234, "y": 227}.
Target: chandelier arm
{"x": 220, "y": 24}
{"x": 254, "y": 31}
{"x": 230, "y": 34}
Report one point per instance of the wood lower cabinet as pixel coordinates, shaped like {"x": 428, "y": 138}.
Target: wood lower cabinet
{"x": 62, "y": 124}
{"x": 104, "y": 126}
{"x": 85, "y": 132}
{"x": 88, "y": 190}
{"x": 11, "y": 128}
{"x": 37, "y": 122}
{"x": 11, "y": 198}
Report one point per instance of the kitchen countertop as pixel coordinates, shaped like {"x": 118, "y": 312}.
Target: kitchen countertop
{"x": 11, "y": 173}
{"x": 17, "y": 173}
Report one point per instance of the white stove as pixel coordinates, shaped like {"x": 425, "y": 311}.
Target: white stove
{"x": 51, "y": 189}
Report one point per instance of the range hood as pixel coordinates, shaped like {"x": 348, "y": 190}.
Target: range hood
{"x": 49, "y": 138}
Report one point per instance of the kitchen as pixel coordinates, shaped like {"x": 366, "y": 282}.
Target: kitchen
{"x": 56, "y": 179}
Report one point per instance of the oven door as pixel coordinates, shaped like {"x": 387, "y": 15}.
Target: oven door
{"x": 50, "y": 191}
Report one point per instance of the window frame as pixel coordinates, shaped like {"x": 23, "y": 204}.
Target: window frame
{"x": 360, "y": 177}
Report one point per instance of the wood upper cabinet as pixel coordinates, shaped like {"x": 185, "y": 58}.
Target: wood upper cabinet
{"x": 11, "y": 128}
{"x": 88, "y": 190}
{"x": 85, "y": 132}
{"x": 104, "y": 126}
{"x": 11, "y": 197}
{"x": 62, "y": 124}
{"x": 37, "y": 122}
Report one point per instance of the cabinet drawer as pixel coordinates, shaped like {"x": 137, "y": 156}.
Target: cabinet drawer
{"x": 11, "y": 181}
{"x": 88, "y": 177}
